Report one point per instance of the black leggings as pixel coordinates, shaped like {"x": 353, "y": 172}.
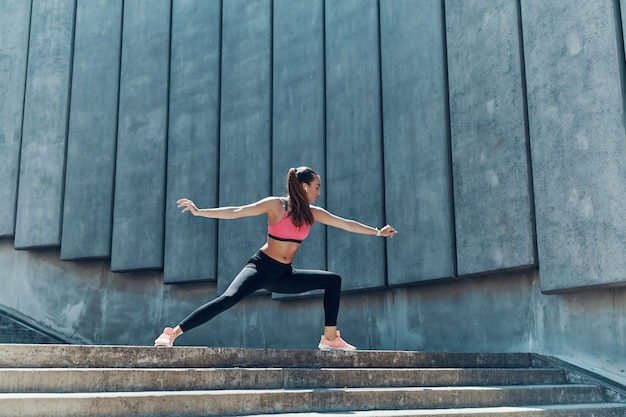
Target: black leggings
{"x": 261, "y": 271}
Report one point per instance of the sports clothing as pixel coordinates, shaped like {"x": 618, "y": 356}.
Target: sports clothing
{"x": 261, "y": 271}
{"x": 285, "y": 230}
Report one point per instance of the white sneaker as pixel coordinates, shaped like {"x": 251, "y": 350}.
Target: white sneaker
{"x": 336, "y": 344}
{"x": 166, "y": 339}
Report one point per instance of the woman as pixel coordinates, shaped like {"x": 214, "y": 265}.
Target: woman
{"x": 289, "y": 221}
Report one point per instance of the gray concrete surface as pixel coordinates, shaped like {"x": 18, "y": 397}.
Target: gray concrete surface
{"x": 492, "y": 198}
{"x": 116, "y": 380}
{"x": 416, "y": 142}
{"x": 15, "y": 24}
{"x": 574, "y": 72}
{"x": 193, "y": 140}
{"x": 14, "y": 331}
{"x": 245, "y": 129}
{"x": 502, "y": 313}
{"x": 140, "y": 169}
{"x": 354, "y": 156}
{"x": 123, "y": 380}
{"x": 343, "y": 98}
{"x": 91, "y": 143}
{"x": 298, "y": 105}
{"x": 13, "y": 356}
{"x": 573, "y": 65}
{"x": 46, "y": 106}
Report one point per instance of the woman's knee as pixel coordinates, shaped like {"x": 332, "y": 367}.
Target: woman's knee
{"x": 227, "y": 300}
{"x": 335, "y": 280}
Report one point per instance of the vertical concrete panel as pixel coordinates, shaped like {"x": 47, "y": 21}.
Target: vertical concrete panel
{"x": 298, "y": 106}
{"x": 88, "y": 202}
{"x": 493, "y": 220}
{"x": 138, "y": 218}
{"x": 417, "y": 161}
{"x": 42, "y": 166}
{"x": 192, "y": 166}
{"x": 575, "y": 111}
{"x": 354, "y": 140}
{"x": 245, "y": 164}
{"x": 14, "y": 30}
{"x": 622, "y": 19}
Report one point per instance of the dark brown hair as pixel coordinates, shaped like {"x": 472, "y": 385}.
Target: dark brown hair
{"x": 300, "y": 211}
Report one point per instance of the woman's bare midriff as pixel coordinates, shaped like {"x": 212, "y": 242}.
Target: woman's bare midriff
{"x": 283, "y": 252}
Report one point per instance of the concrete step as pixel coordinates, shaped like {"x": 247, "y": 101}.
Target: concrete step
{"x": 568, "y": 410}
{"x": 78, "y": 356}
{"x": 14, "y": 331}
{"x": 242, "y": 402}
{"x": 73, "y": 380}
{"x": 116, "y": 379}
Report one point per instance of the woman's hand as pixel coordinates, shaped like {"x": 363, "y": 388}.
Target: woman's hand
{"x": 388, "y": 231}
{"x": 188, "y": 206}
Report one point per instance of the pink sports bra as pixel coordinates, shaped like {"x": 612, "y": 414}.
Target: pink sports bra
{"x": 285, "y": 230}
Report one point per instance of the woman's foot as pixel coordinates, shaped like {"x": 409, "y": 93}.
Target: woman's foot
{"x": 336, "y": 344}
{"x": 167, "y": 338}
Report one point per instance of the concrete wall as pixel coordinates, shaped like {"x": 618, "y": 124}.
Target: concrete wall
{"x": 45, "y": 124}
{"x": 86, "y": 301}
{"x": 490, "y": 161}
{"x": 490, "y": 133}
{"x": 92, "y": 132}
{"x": 416, "y": 140}
{"x": 15, "y": 24}
{"x": 575, "y": 69}
{"x": 502, "y": 312}
{"x": 193, "y": 129}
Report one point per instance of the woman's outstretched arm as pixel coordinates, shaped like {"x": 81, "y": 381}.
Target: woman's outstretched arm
{"x": 264, "y": 206}
{"x": 325, "y": 217}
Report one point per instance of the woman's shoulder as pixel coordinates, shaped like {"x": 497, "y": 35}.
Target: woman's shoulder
{"x": 274, "y": 205}
{"x": 318, "y": 211}
{"x": 271, "y": 200}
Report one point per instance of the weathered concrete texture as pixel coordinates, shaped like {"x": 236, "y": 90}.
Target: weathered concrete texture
{"x": 118, "y": 381}
{"x": 298, "y": 129}
{"x": 13, "y": 331}
{"x": 193, "y": 161}
{"x": 492, "y": 199}
{"x": 14, "y": 29}
{"x": 573, "y": 65}
{"x": 576, "y": 124}
{"x": 90, "y": 171}
{"x": 354, "y": 140}
{"x": 581, "y": 400}
{"x": 278, "y": 377}
{"x": 593, "y": 319}
{"x": 245, "y": 145}
{"x": 137, "y": 358}
{"x": 46, "y": 106}
{"x": 138, "y": 218}
{"x": 88, "y": 303}
{"x": 43, "y": 290}
{"x": 417, "y": 163}
{"x": 622, "y": 18}
{"x": 469, "y": 315}
{"x": 501, "y": 313}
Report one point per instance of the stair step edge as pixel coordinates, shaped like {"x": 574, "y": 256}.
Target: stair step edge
{"x": 530, "y": 411}
{"x": 46, "y": 356}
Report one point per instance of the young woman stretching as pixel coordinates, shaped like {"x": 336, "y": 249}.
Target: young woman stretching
{"x": 289, "y": 221}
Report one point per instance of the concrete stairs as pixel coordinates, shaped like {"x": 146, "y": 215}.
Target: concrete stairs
{"x": 14, "y": 330}
{"x": 74, "y": 380}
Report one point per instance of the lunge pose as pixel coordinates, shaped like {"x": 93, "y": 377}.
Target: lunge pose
{"x": 289, "y": 221}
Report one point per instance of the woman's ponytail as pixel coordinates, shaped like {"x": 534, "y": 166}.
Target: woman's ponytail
{"x": 301, "y": 213}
